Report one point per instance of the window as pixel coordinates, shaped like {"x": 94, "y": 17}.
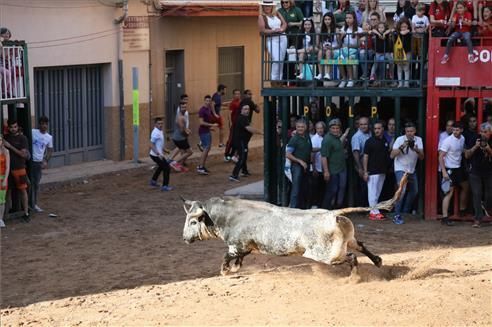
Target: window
{"x": 231, "y": 69}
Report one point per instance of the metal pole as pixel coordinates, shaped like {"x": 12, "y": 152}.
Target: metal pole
{"x": 421, "y": 170}
{"x": 266, "y": 149}
{"x": 136, "y": 114}
{"x": 397, "y": 116}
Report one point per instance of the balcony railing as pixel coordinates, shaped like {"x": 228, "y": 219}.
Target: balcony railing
{"x": 12, "y": 71}
{"x": 348, "y": 62}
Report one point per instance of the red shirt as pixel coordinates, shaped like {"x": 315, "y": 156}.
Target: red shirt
{"x": 487, "y": 32}
{"x": 235, "y": 110}
{"x": 468, "y": 5}
{"x": 438, "y": 11}
{"x": 459, "y": 25}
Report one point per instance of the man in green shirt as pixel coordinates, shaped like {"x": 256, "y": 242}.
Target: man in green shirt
{"x": 334, "y": 165}
{"x": 299, "y": 153}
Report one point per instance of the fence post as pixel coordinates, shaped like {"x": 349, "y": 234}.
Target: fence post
{"x": 136, "y": 114}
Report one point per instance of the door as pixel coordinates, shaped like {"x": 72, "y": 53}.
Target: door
{"x": 72, "y": 98}
{"x": 174, "y": 85}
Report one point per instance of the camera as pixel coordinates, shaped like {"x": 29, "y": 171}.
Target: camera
{"x": 483, "y": 141}
{"x": 411, "y": 144}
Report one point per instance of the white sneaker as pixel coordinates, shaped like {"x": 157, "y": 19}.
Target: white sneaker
{"x": 318, "y": 77}
{"x": 327, "y": 77}
{"x": 342, "y": 84}
{"x": 2, "y": 224}
{"x": 37, "y": 209}
{"x": 300, "y": 76}
{"x": 350, "y": 84}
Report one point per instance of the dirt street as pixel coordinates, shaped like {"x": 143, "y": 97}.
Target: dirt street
{"x": 115, "y": 256}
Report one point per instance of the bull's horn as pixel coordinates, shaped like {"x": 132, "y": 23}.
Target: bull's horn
{"x": 188, "y": 202}
{"x": 197, "y": 214}
{"x": 186, "y": 210}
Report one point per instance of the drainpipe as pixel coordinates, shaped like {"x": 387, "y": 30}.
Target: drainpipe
{"x": 120, "y": 21}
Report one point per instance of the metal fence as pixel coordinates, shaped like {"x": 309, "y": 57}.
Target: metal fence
{"x": 12, "y": 82}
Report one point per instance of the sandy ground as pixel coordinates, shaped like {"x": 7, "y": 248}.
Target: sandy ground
{"x": 115, "y": 256}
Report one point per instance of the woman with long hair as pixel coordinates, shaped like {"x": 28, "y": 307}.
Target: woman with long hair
{"x": 439, "y": 15}
{"x": 273, "y": 26}
{"x": 327, "y": 44}
{"x": 349, "y": 41}
{"x": 306, "y": 45}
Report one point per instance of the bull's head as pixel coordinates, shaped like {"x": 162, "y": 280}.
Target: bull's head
{"x": 198, "y": 225}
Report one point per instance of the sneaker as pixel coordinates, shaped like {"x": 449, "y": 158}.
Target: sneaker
{"x": 342, "y": 84}
{"x": 376, "y": 216}
{"x": 350, "y": 84}
{"x": 200, "y": 147}
{"x": 201, "y": 171}
{"x": 153, "y": 183}
{"x": 398, "y": 220}
{"x": 446, "y": 222}
{"x": 327, "y": 77}
{"x": 227, "y": 158}
{"x": 2, "y": 223}
{"x": 235, "y": 159}
{"x": 476, "y": 224}
{"x": 444, "y": 59}
{"x": 26, "y": 218}
{"x": 373, "y": 77}
{"x": 380, "y": 216}
{"x": 234, "y": 179}
{"x": 37, "y": 209}
{"x": 471, "y": 59}
{"x": 176, "y": 166}
{"x": 245, "y": 174}
{"x": 318, "y": 77}
{"x": 167, "y": 188}
{"x": 300, "y": 76}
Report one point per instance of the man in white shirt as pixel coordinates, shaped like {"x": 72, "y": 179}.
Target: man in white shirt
{"x": 42, "y": 148}
{"x": 317, "y": 181}
{"x": 358, "y": 141}
{"x": 407, "y": 150}
{"x": 157, "y": 155}
{"x": 450, "y": 155}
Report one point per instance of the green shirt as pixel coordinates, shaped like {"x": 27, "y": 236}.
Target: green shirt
{"x": 293, "y": 15}
{"x": 332, "y": 149}
{"x": 300, "y": 147}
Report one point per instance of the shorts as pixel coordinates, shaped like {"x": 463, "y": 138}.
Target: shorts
{"x": 457, "y": 176}
{"x": 206, "y": 140}
{"x": 417, "y": 42}
{"x": 219, "y": 121}
{"x": 19, "y": 177}
{"x": 3, "y": 191}
{"x": 347, "y": 53}
{"x": 182, "y": 145}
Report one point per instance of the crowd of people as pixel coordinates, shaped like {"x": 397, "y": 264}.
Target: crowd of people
{"x": 359, "y": 41}
{"x": 317, "y": 165}
{"x": 210, "y": 117}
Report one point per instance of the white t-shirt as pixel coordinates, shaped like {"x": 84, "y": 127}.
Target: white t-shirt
{"x": 316, "y": 143}
{"x": 40, "y": 141}
{"x": 407, "y": 161}
{"x": 420, "y": 22}
{"x": 157, "y": 138}
{"x": 187, "y": 117}
{"x": 454, "y": 148}
{"x": 350, "y": 39}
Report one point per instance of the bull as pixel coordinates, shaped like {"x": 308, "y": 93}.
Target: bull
{"x": 258, "y": 227}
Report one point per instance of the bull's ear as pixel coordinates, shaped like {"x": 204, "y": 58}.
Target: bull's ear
{"x": 206, "y": 219}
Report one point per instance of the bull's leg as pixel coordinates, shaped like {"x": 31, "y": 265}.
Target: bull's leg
{"x": 359, "y": 246}
{"x": 239, "y": 261}
{"x": 352, "y": 261}
{"x": 226, "y": 268}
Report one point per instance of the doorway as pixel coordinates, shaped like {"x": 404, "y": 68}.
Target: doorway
{"x": 174, "y": 85}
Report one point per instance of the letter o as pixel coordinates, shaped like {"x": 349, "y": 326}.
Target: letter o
{"x": 485, "y": 56}
{"x": 328, "y": 111}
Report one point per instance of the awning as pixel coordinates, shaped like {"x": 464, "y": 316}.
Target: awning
{"x": 209, "y": 8}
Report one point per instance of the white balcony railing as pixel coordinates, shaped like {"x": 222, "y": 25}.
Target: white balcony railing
{"x": 12, "y": 83}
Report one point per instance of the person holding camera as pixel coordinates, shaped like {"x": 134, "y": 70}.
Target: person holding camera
{"x": 407, "y": 150}
{"x": 450, "y": 158}
{"x": 480, "y": 159}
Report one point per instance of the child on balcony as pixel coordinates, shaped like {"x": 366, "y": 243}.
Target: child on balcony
{"x": 327, "y": 43}
{"x": 306, "y": 46}
{"x": 439, "y": 13}
{"x": 366, "y": 50}
{"x": 383, "y": 46}
{"x": 403, "y": 66}
{"x": 349, "y": 39}
{"x": 485, "y": 28}
{"x": 462, "y": 22}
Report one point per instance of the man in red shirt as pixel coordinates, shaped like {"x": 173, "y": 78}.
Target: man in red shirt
{"x": 462, "y": 22}
{"x": 234, "y": 108}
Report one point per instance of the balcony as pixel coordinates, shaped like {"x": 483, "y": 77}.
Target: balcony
{"x": 12, "y": 72}
{"x": 209, "y": 8}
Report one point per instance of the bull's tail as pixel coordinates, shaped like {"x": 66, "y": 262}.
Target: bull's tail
{"x": 385, "y": 205}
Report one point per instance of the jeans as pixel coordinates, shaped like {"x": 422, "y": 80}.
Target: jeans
{"x": 478, "y": 184}
{"x": 409, "y": 193}
{"x": 458, "y": 35}
{"x": 366, "y": 57}
{"x": 241, "y": 164}
{"x": 162, "y": 166}
{"x": 306, "y": 7}
{"x": 380, "y": 61}
{"x": 335, "y": 189}
{"x": 299, "y": 186}
{"x": 37, "y": 173}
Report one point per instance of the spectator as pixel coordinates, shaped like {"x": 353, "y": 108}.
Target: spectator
{"x": 439, "y": 13}
{"x": 383, "y": 46}
{"x": 366, "y": 50}
{"x": 485, "y": 26}
{"x": 479, "y": 156}
{"x": 450, "y": 158}
{"x": 420, "y": 26}
{"x": 471, "y": 6}
{"x": 180, "y": 136}
{"x": 42, "y": 149}
{"x": 334, "y": 166}
{"x": 389, "y": 185}
{"x": 407, "y": 150}
{"x": 242, "y": 134}
{"x": 373, "y": 7}
{"x": 18, "y": 146}
{"x": 306, "y": 47}
{"x": 327, "y": 44}
{"x": 349, "y": 41}
{"x": 5, "y": 75}
{"x": 317, "y": 183}
{"x": 293, "y": 17}
{"x": 272, "y": 25}
{"x": 4, "y": 177}
{"x": 447, "y": 131}
{"x": 358, "y": 141}
{"x": 306, "y": 7}
{"x": 206, "y": 119}
{"x": 157, "y": 146}
{"x": 403, "y": 10}
{"x": 403, "y": 66}
{"x": 359, "y": 12}
{"x": 292, "y": 125}
{"x": 376, "y": 162}
{"x": 390, "y": 132}
{"x": 234, "y": 111}
{"x": 462, "y": 24}
{"x": 470, "y": 133}
{"x": 217, "y": 104}
{"x": 343, "y": 9}
{"x": 299, "y": 153}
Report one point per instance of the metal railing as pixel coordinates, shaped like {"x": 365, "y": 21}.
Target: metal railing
{"x": 287, "y": 61}
{"x": 12, "y": 71}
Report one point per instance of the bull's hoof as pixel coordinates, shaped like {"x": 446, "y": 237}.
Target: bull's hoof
{"x": 224, "y": 272}
{"x": 378, "y": 261}
{"x": 235, "y": 268}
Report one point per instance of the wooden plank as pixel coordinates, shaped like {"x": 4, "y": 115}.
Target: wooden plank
{"x": 339, "y": 62}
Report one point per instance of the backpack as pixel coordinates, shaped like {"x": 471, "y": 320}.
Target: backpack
{"x": 399, "y": 55}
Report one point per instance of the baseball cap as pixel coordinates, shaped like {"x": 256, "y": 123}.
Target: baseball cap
{"x": 335, "y": 121}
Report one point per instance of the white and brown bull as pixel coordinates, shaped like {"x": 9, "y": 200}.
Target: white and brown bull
{"x": 259, "y": 227}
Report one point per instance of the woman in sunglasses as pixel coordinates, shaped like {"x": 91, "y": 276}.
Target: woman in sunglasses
{"x": 293, "y": 16}
{"x": 306, "y": 47}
